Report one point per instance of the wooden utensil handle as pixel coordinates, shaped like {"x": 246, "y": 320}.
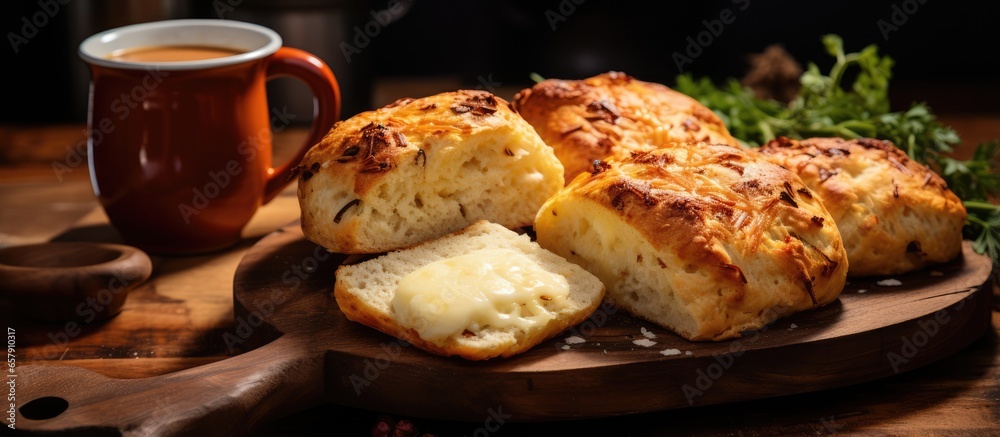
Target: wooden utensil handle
{"x": 227, "y": 397}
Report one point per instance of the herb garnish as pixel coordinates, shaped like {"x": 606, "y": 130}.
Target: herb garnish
{"x": 825, "y": 108}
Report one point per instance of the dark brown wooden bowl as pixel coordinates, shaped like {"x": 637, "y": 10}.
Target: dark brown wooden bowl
{"x": 68, "y": 281}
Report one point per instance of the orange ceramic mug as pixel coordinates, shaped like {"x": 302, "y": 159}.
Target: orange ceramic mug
{"x": 180, "y": 128}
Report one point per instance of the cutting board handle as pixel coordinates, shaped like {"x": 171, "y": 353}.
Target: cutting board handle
{"x": 222, "y": 398}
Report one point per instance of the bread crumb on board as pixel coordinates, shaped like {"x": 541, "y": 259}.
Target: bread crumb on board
{"x": 573, "y": 340}
{"x": 644, "y": 342}
{"x": 890, "y": 282}
{"x": 647, "y": 333}
{"x": 669, "y": 352}
{"x": 862, "y": 291}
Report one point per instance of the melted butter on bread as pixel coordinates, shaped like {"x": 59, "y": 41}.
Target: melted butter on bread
{"x": 498, "y": 288}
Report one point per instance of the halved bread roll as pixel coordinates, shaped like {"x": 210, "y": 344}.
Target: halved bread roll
{"x": 894, "y": 214}
{"x": 451, "y": 312}
{"x": 613, "y": 114}
{"x": 706, "y": 240}
{"x": 421, "y": 168}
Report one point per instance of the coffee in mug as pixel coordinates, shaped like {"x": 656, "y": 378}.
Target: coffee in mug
{"x": 180, "y": 128}
{"x": 171, "y": 53}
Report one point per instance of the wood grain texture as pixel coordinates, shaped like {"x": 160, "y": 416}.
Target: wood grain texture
{"x": 955, "y": 396}
{"x": 309, "y": 352}
{"x": 178, "y": 319}
{"x": 223, "y": 398}
{"x": 846, "y": 343}
{"x": 55, "y": 281}
{"x": 175, "y": 320}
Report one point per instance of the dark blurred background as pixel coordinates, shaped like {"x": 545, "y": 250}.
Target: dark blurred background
{"x": 945, "y": 50}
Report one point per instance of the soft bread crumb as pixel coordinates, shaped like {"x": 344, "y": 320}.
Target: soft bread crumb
{"x": 669, "y": 352}
{"x": 573, "y": 340}
{"x": 890, "y": 283}
{"x": 705, "y": 240}
{"x": 644, "y": 342}
{"x": 646, "y": 333}
{"x": 419, "y": 169}
{"x": 364, "y": 292}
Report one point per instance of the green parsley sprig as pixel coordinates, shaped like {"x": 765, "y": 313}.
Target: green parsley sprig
{"x": 826, "y": 107}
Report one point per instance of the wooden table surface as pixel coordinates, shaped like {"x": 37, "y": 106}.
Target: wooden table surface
{"x": 178, "y": 319}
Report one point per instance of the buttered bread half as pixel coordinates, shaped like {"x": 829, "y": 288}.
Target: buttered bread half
{"x": 614, "y": 115}
{"x": 894, "y": 214}
{"x": 706, "y": 240}
{"x": 420, "y": 168}
{"x": 479, "y": 293}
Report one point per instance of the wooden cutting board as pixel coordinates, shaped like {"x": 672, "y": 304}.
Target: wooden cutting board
{"x": 308, "y": 353}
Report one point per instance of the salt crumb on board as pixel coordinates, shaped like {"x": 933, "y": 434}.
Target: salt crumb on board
{"x": 669, "y": 352}
{"x": 646, "y": 333}
{"x": 862, "y": 291}
{"x": 644, "y": 342}
{"x": 573, "y": 340}
{"x": 890, "y": 282}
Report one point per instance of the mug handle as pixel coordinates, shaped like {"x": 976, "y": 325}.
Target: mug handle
{"x": 314, "y": 72}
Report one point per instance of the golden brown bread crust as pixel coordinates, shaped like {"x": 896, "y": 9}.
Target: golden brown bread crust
{"x": 730, "y": 240}
{"x": 895, "y": 215}
{"x": 377, "y": 314}
{"x": 421, "y": 168}
{"x": 358, "y": 311}
{"x": 613, "y": 114}
{"x": 371, "y": 144}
